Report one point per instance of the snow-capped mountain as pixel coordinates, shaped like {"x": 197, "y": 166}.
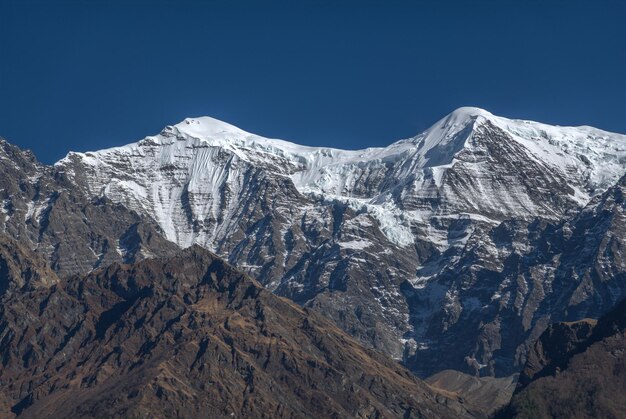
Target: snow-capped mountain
{"x": 470, "y": 162}
{"x": 362, "y": 235}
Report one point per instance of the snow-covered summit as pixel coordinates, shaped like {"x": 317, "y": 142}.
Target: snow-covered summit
{"x": 469, "y": 163}
{"x": 206, "y": 126}
{"x": 213, "y": 132}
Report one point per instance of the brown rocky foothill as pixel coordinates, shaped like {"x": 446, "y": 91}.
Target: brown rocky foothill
{"x": 191, "y": 336}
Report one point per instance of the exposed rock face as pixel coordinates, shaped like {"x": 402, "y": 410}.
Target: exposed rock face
{"x": 553, "y": 349}
{"x": 581, "y": 377}
{"x": 22, "y": 269}
{"x": 188, "y": 336}
{"x": 46, "y": 213}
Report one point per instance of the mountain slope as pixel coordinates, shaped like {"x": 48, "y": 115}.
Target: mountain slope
{"x": 482, "y": 395}
{"x": 188, "y": 335}
{"x": 583, "y": 375}
{"x": 491, "y": 301}
{"x": 22, "y": 269}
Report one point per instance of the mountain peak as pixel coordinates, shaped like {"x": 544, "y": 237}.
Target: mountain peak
{"x": 457, "y": 120}
{"x": 205, "y": 126}
{"x": 448, "y": 135}
{"x": 469, "y": 112}
{"x": 461, "y": 117}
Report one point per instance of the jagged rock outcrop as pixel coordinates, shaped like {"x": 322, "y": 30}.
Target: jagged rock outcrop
{"x": 186, "y": 337}
{"x": 553, "y": 349}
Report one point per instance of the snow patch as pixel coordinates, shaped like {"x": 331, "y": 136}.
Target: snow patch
{"x": 356, "y": 244}
{"x": 4, "y": 208}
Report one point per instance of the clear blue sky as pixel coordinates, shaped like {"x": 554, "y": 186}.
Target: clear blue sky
{"x": 81, "y": 75}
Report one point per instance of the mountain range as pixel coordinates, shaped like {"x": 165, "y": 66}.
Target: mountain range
{"x": 451, "y": 250}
